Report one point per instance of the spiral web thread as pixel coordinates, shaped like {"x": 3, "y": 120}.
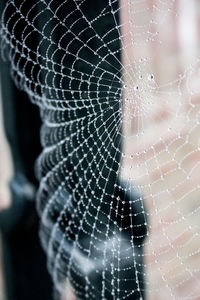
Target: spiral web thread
{"x": 117, "y": 84}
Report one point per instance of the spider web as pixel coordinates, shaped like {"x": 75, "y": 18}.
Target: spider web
{"x": 117, "y": 83}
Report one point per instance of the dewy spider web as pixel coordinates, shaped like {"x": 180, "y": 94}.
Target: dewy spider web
{"x": 118, "y": 93}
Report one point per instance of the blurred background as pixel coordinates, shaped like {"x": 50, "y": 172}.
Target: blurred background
{"x": 5, "y": 176}
{"x": 162, "y": 137}
{"x": 161, "y": 128}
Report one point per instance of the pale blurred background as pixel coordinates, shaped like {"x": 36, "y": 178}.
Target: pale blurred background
{"x": 162, "y": 137}
{"x": 5, "y": 175}
{"x": 161, "y": 127}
